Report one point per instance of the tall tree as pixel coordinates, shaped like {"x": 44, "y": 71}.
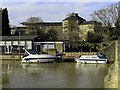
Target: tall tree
{"x": 107, "y": 16}
{"x": 5, "y": 23}
{"x": 116, "y": 32}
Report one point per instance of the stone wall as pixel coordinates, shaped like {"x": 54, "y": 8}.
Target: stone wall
{"x": 110, "y": 52}
{"x": 112, "y": 80}
{"x": 119, "y": 64}
{"x": 119, "y": 52}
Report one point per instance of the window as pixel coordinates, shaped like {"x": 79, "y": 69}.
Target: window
{"x": 2, "y": 43}
{"x": 22, "y": 43}
{"x": 28, "y": 45}
{"x": 50, "y": 46}
{"x": 15, "y": 42}
{"x": 47, "y": 46}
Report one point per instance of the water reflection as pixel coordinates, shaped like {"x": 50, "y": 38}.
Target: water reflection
{"x": 53, "y": 75}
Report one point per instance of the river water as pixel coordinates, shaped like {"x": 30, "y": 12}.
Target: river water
{"x": 53, "y": 75}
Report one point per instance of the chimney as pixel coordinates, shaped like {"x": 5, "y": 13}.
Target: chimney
{"x": 74, "y": 14}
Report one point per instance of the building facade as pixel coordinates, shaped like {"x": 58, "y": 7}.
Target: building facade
{"x": 72, "y": 23}
{"x": 15, "y": 44}
{"x": 45, "y": 26}
{"x": 88, "y": 26}
{"x": 50, "y": 47}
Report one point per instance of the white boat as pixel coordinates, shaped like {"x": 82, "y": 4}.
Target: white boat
{"x": 33, "y": 56}
{"x": 100, "y": 58}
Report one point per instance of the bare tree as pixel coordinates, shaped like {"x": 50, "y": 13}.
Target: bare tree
{"x": 33, "y": 25}
{"x": 116, "y": 33}
{"x": 118, "y": 20}
{"x": 34, "y": 19}
{"x": 107, "y": 16}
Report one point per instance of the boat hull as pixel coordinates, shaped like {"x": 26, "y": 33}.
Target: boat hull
{"x": 90, "y": 61}
{"x": 40, "y": 58}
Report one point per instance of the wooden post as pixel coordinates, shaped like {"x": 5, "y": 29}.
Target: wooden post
{"x": 54, "y": 48}
{"x": 47, "y": 47}
{"x": 19, "y": 46}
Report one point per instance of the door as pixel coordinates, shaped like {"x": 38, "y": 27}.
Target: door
{"x": 8, "y": 49}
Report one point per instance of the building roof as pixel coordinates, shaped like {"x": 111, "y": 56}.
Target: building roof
{"x": 45, "y": 23}
{"x": 52, "y": 23}
{"x": 90, "y": 22}
{"x": 74, "y": 16}
{"x": 16, "y": 38}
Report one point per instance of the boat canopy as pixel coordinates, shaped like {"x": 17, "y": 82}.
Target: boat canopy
{"x": 101, "y": 56}
{"x": 33, "y": 52}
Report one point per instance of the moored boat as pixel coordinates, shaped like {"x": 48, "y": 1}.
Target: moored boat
{"x": 33, "y": 56}
{"x": 100, "y": 58}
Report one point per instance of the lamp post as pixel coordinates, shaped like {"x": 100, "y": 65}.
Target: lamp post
{"x": 19, "y": 45}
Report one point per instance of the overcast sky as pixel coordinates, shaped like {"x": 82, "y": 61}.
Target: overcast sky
{"x": 20, "y": 11}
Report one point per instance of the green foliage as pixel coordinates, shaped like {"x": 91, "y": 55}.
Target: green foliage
{"x": 5, "y": 23}
{"x": 52, "y": 34}
{"x": 94, "y": 37}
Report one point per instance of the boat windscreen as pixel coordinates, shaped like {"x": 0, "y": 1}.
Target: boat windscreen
{"x": 101, "y": 56}
{"x": 33, "y": 52}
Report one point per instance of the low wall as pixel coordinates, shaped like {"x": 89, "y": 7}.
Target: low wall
{"x": 11, "y": 57}
{"x": 78, "y": 54}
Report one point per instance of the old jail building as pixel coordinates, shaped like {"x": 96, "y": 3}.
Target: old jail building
{"x": 64, "y": 27}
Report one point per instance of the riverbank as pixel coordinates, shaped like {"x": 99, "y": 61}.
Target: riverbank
{"x": 67, "y": 56}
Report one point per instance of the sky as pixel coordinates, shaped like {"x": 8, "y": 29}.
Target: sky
{"x": 51, "y": 11}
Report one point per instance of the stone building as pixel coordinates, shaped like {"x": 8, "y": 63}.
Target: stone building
{"x": 88, "y": 26}
{"x": 72, "y": 23}
{"x": 46, "y": 26}
{"x": 21, "y": 29}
